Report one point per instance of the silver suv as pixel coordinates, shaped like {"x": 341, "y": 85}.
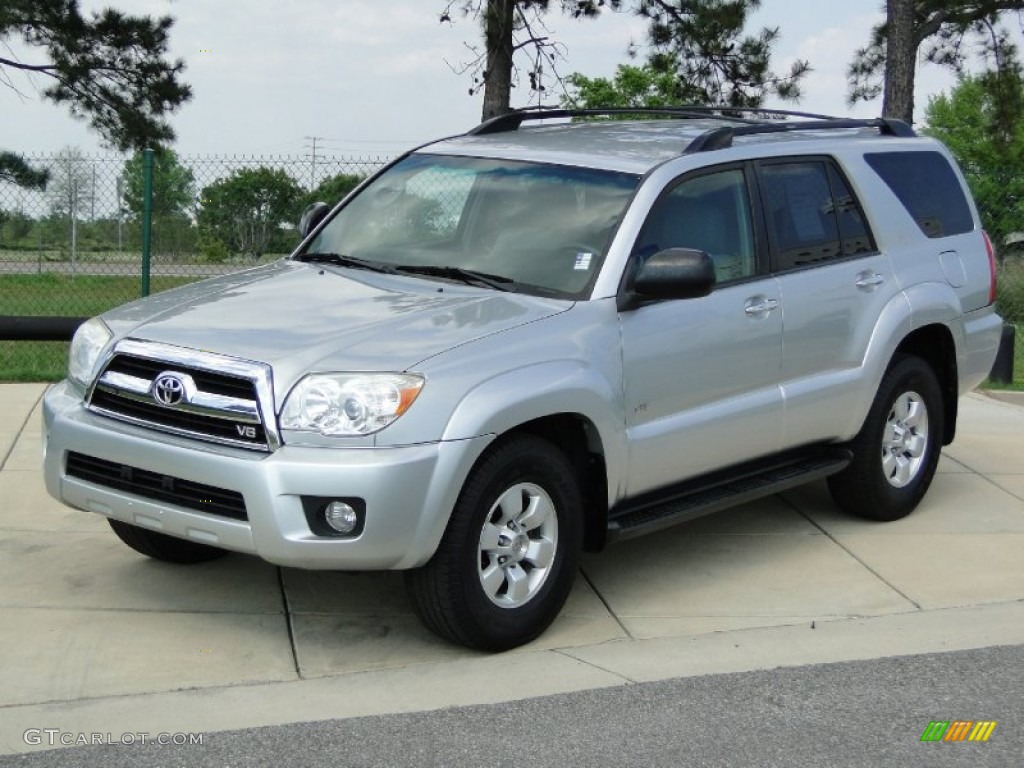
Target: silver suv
{"x": 527, "y": 341}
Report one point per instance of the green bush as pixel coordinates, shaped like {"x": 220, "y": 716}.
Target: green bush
{"x": 213, "y": 249}
{"x": 1010, "y": 291}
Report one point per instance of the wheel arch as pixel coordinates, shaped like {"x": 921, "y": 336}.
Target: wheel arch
{"x": 545, "y": 398}
{"x": 579, "y": 439}
{"x": 935, "y": 345}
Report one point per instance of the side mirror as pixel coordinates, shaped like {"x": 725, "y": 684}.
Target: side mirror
{"x": 675, "y": 273}
{"x": 312, "y": 216}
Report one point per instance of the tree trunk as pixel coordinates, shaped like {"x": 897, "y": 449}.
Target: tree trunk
{"x": 498, "y": 23}
{"x": 901, "y": 60}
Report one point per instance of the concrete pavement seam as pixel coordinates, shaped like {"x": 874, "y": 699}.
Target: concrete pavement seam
{"x": 988, "y": 479}
{"x": 1005, "y": 490}
{"x": 565, "y": 652}
{"x": 162, "y": 611}
{"x": 83, "y": 700}
{"x": 607, "y": 607}
{"x": 21, "y": 430}
{"x": 847, "y": 550}
{"x": 288, "y": 623}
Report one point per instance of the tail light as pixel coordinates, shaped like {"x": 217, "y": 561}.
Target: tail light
{"x": 991, "y": 268}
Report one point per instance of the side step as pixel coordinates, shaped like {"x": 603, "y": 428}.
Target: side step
{"x": 720, "y": 490}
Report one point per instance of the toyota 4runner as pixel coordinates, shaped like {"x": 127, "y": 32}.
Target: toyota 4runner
{"x": 517, "y": 344}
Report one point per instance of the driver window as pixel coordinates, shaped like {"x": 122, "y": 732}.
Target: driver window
{"x": 711, "y": 213}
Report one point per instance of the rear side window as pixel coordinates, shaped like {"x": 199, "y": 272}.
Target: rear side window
{"x": 812, "y": 215}
{"x": 928, "y": 189}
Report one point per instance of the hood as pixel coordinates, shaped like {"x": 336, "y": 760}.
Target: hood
{"x": 301, "y": 318}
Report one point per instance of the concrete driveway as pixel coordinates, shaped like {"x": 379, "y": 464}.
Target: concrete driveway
{"x": 97, "y": 639}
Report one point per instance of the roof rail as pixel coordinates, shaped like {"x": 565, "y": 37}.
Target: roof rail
{"x": 765, "y": 112}
{"x": 721, "y": 138}
{"x": 511, "y": 121}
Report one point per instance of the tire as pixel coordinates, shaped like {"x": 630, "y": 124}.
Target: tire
{"x": 160, "y": 546}
{"x": 897, "y": 450}
{"x": 507, "y": 560}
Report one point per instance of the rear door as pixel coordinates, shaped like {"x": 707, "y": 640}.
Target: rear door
{"x": 834, "y": 283}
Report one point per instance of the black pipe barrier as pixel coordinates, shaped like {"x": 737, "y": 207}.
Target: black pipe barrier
{"x": 39, "y": 328}
{"x": 1002, "y": 368}
{"x": 51, "y": 328}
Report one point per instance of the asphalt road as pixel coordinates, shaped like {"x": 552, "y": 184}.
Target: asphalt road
{"x": 869, "y": 713}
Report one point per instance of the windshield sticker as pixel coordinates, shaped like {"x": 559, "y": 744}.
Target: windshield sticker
{"x": 583, "y": 261}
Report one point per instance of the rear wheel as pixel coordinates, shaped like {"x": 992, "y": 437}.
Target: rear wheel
{"x": 160, "y": 546}
{"x": 507, "y": 560}
{"x": 897, "y": 450}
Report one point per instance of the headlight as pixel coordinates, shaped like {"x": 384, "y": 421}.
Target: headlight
{"x": 88, "y": 342}
{"x": 349, "y": 403}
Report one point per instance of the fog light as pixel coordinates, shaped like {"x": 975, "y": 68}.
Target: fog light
{"x": 341, "y": 517}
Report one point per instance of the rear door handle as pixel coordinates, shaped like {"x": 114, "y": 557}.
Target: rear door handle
{"x": 760, "y": 305}
{"x": 868, "y": 281}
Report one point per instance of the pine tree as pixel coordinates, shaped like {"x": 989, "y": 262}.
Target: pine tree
{"x": 108, "y": 68}
{"x": 510, "y": 27}
{"x": 699, "y": 54}
{"x": 943, "y": 29}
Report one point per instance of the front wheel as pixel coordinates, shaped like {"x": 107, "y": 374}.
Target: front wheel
{"x": 897, "y": 450}
{"x": 508, "y": 557}
{"x": 160, "y": 546}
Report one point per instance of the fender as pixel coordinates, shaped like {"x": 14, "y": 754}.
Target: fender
{"x": 546, "y": 389}
{"x": 915, "y": 308}
{"x": 938, "y": 304}
{"x": 933, "y": 304}
{"x": 526, "y": 394}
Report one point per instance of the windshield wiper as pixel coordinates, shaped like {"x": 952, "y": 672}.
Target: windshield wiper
{"x": 345, "y": 261}
{"x": 468, "y": 276}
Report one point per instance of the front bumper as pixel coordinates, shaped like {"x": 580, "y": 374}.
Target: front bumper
{"x": 409, "y": 491}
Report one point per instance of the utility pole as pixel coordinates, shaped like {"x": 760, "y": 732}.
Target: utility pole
{"x": 312, "y": 170}
{"x": 74, "y": 222}
{"x": 120, "y": 211}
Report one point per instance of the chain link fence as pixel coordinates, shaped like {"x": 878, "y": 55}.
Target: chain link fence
{"x": 75, "y": 248}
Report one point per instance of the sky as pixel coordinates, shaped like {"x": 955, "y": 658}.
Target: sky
{"x": 373, "y": 77}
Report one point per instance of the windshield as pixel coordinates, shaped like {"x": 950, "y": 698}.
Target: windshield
{"x": 538, "y": 228}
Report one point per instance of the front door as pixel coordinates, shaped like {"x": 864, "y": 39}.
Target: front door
{"x": 702, "y": 375}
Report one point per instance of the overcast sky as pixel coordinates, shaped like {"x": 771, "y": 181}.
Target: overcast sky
{"x": 369, "y": 77}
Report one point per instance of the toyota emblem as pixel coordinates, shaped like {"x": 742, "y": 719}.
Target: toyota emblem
{"x": 170, "y": 388}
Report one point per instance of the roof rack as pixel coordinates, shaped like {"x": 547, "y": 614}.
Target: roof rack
{"x": 511, "y": 121}
{"x": 716, "y": 138}
{"x": 721, "y": 138}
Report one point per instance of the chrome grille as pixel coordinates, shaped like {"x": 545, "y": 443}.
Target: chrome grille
{"x": 219, "y": 399}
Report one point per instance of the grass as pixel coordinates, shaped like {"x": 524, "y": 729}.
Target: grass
{"x": 81, "y": 296}
{"x": 1018, "y": 367}
{"x": 56, "y": 294}
{"x": 1010, "y": 305}
{"x": 33, "y": 360}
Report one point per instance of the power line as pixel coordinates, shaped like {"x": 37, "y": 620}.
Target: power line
{"x": 312, "y": 169}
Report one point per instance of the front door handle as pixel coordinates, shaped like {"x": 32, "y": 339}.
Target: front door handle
{"x": 760, "y": 305}
{"x": 868, "y": 281}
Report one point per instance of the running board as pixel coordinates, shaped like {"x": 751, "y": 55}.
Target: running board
{"x": 720, "y": 490}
